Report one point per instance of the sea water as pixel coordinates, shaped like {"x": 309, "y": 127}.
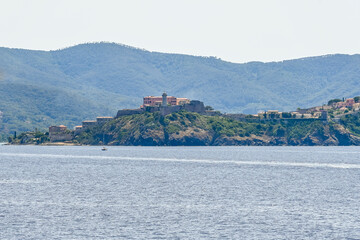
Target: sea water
{"x": 179, "y": 192}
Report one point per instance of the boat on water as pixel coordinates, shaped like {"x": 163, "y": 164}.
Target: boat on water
{"x": 104, "y": 148}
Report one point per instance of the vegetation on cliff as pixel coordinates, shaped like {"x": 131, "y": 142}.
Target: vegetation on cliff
{"x": 352, "y": 123}
{"x": 36, "y": 137}
{"x": 185, "y": 128}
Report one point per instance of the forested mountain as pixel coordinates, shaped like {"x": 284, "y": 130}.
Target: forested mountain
{"x": 40, "y": 88}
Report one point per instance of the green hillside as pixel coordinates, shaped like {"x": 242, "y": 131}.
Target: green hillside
{"x": 39, "y": 88}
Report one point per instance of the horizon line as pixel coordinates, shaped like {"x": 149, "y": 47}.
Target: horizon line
{"x": 175, "y": 53}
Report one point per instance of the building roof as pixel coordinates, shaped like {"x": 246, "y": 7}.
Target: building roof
{"x": 158, "y": 96}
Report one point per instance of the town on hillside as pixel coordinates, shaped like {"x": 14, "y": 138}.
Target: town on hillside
{"x": 165, "y": 105}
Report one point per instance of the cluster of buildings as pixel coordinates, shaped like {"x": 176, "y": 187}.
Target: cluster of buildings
{"x": 159, "y": 101}
{"x": 62, "y": 133}
{"x": 163, "y": 104}
{"x": 346, "y": 104}
{"x": 320, "y": 112}
{"x": 310, "y": 113}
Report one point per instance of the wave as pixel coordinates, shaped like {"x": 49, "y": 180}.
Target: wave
{"x": 206, "y": 161}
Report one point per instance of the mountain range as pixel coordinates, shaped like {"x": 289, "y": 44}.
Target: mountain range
{"x": 67, "y": 86}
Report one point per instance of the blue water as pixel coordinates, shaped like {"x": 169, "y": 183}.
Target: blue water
{"x": 179, "y": 192}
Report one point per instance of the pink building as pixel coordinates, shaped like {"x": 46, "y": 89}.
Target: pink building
{"x": 182, "y": 101}
{"x": 156, "y": 101}
{"x": 349, "y": 102}
{"x": 340, "y": 104}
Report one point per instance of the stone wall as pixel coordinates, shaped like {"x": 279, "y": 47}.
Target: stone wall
{"x": 89, "y": 124}
{"x": 235, "y": 116}
{"x": 195, "y": 106}
{"x": 126, "y": 112}
{"x": 170, "y": 109}
{"x": 103, "y": 120}
{"x": 60, "y": 137}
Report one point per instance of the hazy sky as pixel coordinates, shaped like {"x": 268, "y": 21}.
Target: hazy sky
{"x": 233, "y": 30}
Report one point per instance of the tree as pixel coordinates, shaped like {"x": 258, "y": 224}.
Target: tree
{"x": 357, "y": 99}
{"x": 332, "y": 101}
{"x": 286, "y": 115}
{"x": 209, "y": 108}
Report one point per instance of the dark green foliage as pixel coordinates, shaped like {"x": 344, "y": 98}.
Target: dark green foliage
{"x": 36, "y": 137}
{"x": 286, "y": 115}
{"x": 300, "y": 129}
{"x": 357, "y": 99}
{"x": 332, "y": 101}
{"x": 352, "y": 123}
{"x": 229, "y": 127}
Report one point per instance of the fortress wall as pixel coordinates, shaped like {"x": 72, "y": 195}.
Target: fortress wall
{"x": 170, "y": 109}
{"x": 195, "y": 106}
{"x": 60, "y": 137}
{"x": 126, "y": 112}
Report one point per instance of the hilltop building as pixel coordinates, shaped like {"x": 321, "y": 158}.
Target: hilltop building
{"x": 165, "y": 105}
{"x": 349, "y": 103}
{"x": 60, "y": 134}
{"x": 164, "y": 100}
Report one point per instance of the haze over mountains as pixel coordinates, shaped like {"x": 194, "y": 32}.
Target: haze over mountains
{"x": 41, "y": 88}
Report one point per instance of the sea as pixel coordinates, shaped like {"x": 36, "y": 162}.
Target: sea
{"x": 82, "y": 192}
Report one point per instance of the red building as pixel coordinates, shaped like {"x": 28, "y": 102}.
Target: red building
{"x": 350, "y": 102}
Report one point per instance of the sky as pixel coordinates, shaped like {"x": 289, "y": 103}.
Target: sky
{"x": 233, "y": 30}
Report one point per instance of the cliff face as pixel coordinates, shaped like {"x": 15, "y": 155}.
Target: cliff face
{"x": 192, "y": 129}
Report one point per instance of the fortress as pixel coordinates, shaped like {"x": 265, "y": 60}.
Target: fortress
{"x": 165, "y": 105}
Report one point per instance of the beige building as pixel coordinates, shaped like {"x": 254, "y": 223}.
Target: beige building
{"x": 60, "y": 134}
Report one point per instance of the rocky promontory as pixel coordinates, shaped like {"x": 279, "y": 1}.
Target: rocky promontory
{"x": 192, "y": 129}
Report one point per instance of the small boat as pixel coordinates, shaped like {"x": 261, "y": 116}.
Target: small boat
{"x": 104, "y": 148}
